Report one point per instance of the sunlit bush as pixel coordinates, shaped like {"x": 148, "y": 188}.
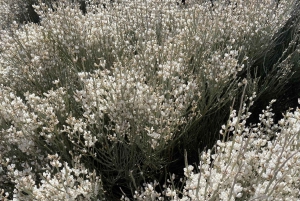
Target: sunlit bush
{"x": 260, "y": 162}
{"x": 97, "y": 100}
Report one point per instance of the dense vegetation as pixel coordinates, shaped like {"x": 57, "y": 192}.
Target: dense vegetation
{"x": 149, "y": 100}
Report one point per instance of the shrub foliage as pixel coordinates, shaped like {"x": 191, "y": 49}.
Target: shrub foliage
{"x": 116, "y": 99}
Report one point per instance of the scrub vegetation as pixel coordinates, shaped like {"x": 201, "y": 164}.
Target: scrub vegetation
{"x": 149, "y": 100}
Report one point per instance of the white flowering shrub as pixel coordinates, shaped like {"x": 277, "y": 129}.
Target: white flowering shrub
{"x": 259, "y": 162}
{"x": 59, "y": 183}
{"x": 20, "y": 124}
{"x": 9, "y": 12}
{"x": 252, "y": 165}
{"x": 96, "y": 100}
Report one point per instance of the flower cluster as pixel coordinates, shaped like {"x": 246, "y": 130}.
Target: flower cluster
{"x": 250, "y": 166}
{"x": 60, "y": 183}
{"x": 10, "y": 11}
{"x": 139, "y": 107}
{"x": 21, "y": 121}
